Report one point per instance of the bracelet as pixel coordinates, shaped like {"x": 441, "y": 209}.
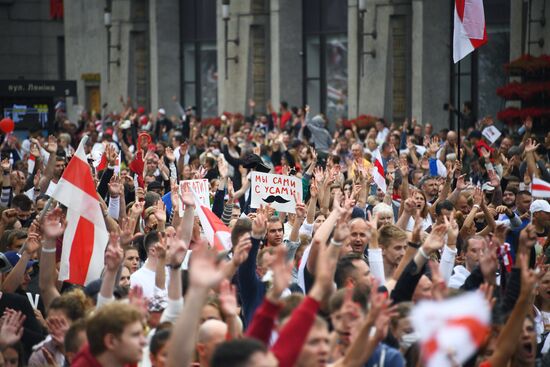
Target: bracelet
{"x": 49, "y": 250}
{"x": 174, "y": 266}
{"x": 335, "y": 243}
{"x": 413, "y": 245}
{"x": 423, "y": 253}
{"x": 476, "y": 206}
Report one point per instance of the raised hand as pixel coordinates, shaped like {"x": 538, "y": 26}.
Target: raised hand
{"x": 6, "y": 166}
{"x": 161, "y": 246}
{"x": 485, "y": 153}
{"x": 478, "y": 196}
{"x": 54, "y": 224}
{"x": 241, "y": 250}
{"x": 160, "y": 211}
{"x": 9, "y": 217}
{"x": 341, "y": 231}
{"x": 138, "y": 300}
{"x": 529, "y": 277}
{"x": 259, "y": 224}
{"x": 435, "y": 240}
{"x": 35, "y": 150}
{"x": 114, "y": 253}
{"x": 188, "y": 199}
{"x": 460, "y": 183}
{"x": 530, "y": 145}
{"x": 169, "y": 154}
{"x": 528, "y": 236}
{"x": 223, "y": 168}
{"x": 439, "y": 290}
{"x": 177, "y": 248}
{"x": 488, "y": 261}
{"x": 204, "y": 273}
{"x": 11, "y": 330}
{"x": 137, "y": 209}
{"x": 52, "y": 144}
{"x": 494, "y": 179}
{"x": 300, "y": 209}
{"x": 140, "y": 194}
{"x": 409, "y": 206}
{"x": 228, "y": 299}
{"x": 230, "y": 190}
{"x": 111, "y": 155}
{"x": 57, "y": 328}
{"x": 282, "y": 274}
{"x": 115, "y": 186}
{"x": 318, "y": 174}
{"x": 452, "y": 229}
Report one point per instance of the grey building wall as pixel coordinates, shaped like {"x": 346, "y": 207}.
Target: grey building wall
{"x": 85, "y": 47}
{"x": 29, "y": 41}
{"x": 270, "y": 49}
{"x": 165, "y": 53}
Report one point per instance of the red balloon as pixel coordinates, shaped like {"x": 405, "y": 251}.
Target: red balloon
{"x": 7, "y": 125}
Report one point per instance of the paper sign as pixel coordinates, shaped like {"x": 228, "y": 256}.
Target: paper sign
{"x": 491, "y": 133}
{"x": 201, "y": 187}
{"x": 275, "y": 190}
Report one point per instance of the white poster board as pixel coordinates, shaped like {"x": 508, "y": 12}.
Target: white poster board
{"x": 201, "y": 187}
{"x": 491, "y": 133}
{"x": 276, "y": 190}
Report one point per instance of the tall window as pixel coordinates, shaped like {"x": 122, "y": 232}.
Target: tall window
{"x": 199, "y": 56}
{"x": 326, "y": 57}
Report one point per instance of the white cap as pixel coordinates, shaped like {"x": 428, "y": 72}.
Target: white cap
{"x": 539, "y": 206}
{"x": 126, "y": 124}
{"x": 487, "y": 187}
{"x": 162, "y": 111}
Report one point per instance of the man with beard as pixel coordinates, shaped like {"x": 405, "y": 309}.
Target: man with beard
{"x": 540, "y": 211}
{"x": 430, "y": 187}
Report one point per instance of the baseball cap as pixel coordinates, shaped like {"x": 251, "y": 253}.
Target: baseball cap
{"x": 539, "y": 206}
{"x": 13, "y": 257}
{"x": 487, "y": 187}
{"x": 126, "y": 124}
{"x": 162, "y": 111}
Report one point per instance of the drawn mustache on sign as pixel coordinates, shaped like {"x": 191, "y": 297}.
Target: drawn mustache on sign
{"x": 275, "y": 198}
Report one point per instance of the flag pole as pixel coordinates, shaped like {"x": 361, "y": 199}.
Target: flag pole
{"x": 458, "y": 110}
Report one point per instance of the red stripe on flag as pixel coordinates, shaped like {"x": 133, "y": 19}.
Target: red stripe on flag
{"x": 379, "y": 167}
{"x": 78, "y": 173}
{"x": 217, "y": 226}
{"x": 102, "y": 163}
{"x": 539, "y": 187}
{"x": 81, "y": 251}
{"x": 478, "y": 332}
{"x": 478, "y": 43}
{"x": 459, "y": 4}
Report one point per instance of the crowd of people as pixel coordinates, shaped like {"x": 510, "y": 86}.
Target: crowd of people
{"x": 332, "y": 283}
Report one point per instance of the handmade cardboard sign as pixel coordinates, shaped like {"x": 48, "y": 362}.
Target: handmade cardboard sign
{"x": 491, "y": 133}
{"x": 275, "y": 190}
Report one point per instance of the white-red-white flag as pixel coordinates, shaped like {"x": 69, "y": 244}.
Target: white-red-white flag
{"x": 469, "y": 28}
{"x": 540, "y": 188}
{"x": 31, "y": 163}
{"x": 86, "y": 236}
{"x": 216, "y": 232}
{"x": 378, "y": 174}
{"x": 451, "y": 331}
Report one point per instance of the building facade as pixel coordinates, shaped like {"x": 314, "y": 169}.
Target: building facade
{"x": 387, "y": 58}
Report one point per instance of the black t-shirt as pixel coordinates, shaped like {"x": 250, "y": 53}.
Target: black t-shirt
{"x": 33, "y": 332}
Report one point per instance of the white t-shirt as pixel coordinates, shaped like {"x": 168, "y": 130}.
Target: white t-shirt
{"x": 426, "y": 223}
{"x": 146, "y": 279}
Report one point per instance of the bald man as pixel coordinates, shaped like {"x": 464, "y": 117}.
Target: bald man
{"x": 211, "y": 334}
